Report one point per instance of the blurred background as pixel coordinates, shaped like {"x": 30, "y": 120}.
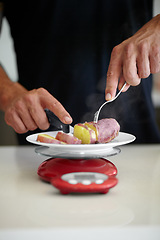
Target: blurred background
{"x": 7, "y": 58}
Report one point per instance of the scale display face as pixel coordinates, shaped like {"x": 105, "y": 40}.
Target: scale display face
{"x": 85, "y": 178}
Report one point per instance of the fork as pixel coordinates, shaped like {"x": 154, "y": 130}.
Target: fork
{"x": 96, "y": 115}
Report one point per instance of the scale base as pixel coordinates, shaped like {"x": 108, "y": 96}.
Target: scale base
{"x": 50, "y": 152}
{"x": 83, "y": 176}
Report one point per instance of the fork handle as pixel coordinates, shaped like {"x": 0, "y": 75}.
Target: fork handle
{"x": 96, "y": 115}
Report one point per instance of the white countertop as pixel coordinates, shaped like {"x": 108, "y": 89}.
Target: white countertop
{"x": 32, "y": 208}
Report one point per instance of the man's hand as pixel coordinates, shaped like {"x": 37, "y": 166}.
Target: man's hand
{"x": 135, "y": 58}
{"x": 26, "y": 111}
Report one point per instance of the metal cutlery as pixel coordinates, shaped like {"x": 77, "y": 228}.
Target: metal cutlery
{"x": 96, "y": 115}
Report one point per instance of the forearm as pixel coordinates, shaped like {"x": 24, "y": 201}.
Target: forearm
{"x": 8, "y": 90}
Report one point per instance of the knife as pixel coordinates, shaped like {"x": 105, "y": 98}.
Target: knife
{"x": 56, "y": 124}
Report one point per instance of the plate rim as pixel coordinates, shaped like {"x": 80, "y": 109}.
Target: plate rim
{"x": 79, "y": 147}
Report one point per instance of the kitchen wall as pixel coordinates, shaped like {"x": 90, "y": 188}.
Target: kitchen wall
{"x": 7, "y": 58}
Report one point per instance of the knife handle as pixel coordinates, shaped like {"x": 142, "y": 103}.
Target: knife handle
{"x": 55, "y": 123}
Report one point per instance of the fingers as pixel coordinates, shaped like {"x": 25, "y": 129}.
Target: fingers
{"x": 122, "y": 68}
{"x": 130, "y": 73}
{"x": 44, "y": 100}
{"x": 129, "y": 63}
{"x": 121, "y": 83}
{"x": 143, "y": 63}
{"x": 114, "y": 71}
{"x": 48, "y": 101}
{"x": 20, "y": 118}
{"x": 154, "y": 58}
{"x": 13, "y": 120}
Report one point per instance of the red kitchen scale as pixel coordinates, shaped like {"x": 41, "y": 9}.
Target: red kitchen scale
{"x": 79, "y": 175}
{"x": 79, "y": 168}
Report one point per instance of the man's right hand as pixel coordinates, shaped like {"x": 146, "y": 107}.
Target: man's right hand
{"x": 26, "y": 111}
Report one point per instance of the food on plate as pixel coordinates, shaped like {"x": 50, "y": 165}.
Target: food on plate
{"x": 84, "y": 133}
{"x": 105, "y": 129}
{"x": 67, "y": 138}
{"x": 45, "y": 138}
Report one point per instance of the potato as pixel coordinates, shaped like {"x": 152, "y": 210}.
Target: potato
{"x": 70, "y": 139}
{"x": 45, "y": 138}
{"x": 84, "y": 133}
{"x": 105, "y": 129}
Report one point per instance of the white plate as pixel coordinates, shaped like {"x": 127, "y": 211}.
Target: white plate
{"x": 80, "y": 150}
